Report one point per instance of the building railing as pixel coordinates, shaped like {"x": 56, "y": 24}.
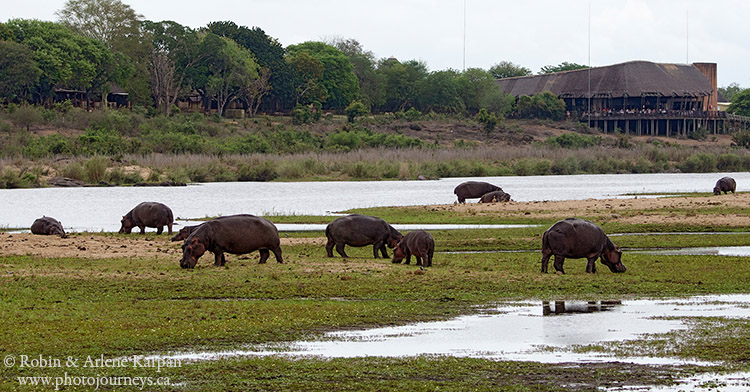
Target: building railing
{"x": 655, "y": 114}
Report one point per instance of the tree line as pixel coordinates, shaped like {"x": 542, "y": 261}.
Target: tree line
{"x": 98, "y": 44}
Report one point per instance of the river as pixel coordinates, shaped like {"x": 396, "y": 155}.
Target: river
{"x": 101, "y": 208}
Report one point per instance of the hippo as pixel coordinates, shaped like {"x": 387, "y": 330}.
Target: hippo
{"x": 236, "y": 234}
{"x": 48, "y": 226}
{"x": 148, "y": 214}
{"x": 577, "y": 238}
{"x": 183, "y": 233}
{"x": 725, "y": 184}
{"x": 418, "y": 243}
{"x": 361, "y": 230}
{"x": 473, "y": 190}
{"x": 494, "y": 196}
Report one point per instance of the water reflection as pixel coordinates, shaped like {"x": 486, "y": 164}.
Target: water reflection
{"x": 517, "y": 331}
{"x": 572, "y": 307}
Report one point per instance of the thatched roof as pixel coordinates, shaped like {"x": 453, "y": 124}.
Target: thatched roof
{"x": 631, "y": 79}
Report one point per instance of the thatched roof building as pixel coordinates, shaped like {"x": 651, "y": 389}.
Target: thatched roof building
{"x": 635, "y": 84}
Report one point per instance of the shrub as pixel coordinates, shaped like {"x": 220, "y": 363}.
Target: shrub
{"x": 264, "y": 171}
{"x": 412, "y": 114}
{"x": 301, "y": 114}
{"x": 699, "y": 163}
{"x": 574, "y": 140}
{"x": 25, "y": 116}
{"x": 356, "y": 109}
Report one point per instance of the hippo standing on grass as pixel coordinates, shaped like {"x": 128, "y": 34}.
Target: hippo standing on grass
{"x": 473, "y": 190}
{"x": 147, "y": 214}
{"x": 236, "y": 234}
{"x": 360, "y": 230}
{"x": 495, "y": 196}
{"x": 418, "y": 243}
{"x": 577, "y": 238}
{"x": 48, "y": 226}
{"x": 725, "y": 184}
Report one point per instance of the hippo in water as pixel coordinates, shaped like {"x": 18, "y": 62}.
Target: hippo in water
{"x": 236, "y": 234}
{"x": 360, "y": 230}
{"x": 148, "y": 214}
{"x": 48, "y": 226}
{"x": 473, "y": 190}
{"x": 494, "y": 196}
{"x": 725, "y": 184}
{"x": 418, "y": 243}
{"x": 577, "y": 238}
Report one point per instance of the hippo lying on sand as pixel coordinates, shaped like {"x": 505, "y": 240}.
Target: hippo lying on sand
{"x": 236, "y": 234}
{"x": 360, "y": 230}
{"x": 48, "y": 226}
{"x": 473, "y": 190}
{"x": 418, "y": 243}
{"x": 725, "y": 184}
{"x": 577, "y": 238}
{"x": 495, "y": 196}
{"x": 148, "y": 214}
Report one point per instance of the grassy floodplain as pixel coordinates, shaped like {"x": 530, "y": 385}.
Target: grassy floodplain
{"x": 118, "y": 305}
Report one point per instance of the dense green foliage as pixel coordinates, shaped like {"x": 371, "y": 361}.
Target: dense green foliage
{"x": 564, "y": 66}
{"x": 741, "y": 103}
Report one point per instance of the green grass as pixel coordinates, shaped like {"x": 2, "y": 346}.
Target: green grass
{"x": 62, "y": 307}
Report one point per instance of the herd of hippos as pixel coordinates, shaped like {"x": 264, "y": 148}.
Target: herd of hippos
{"x": 240, "y": 234}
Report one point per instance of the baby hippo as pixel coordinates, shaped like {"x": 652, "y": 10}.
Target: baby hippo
{"x": 418, "y": 243}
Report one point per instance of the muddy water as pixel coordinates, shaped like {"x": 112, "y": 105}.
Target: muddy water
{"x": 525, "y": 331}
{"x": 100, "y": 209}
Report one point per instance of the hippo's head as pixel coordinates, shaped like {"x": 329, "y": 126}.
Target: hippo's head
{"x": 127, "y": 224}
{"x": 505, "y": 197}
{"x": 55, "y": 230}
{"x": 612, "y": 258}
{"x": 183, "y": 233}
{"x": 398, "y": 253}
{"x": 717, "y": 190}
{"x": 192, "y": 250}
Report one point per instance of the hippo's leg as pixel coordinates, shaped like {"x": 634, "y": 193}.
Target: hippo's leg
{"x": 329, "y": 248}
{"x": 591, "y": 265}
{"x": 264, "y": 253}
{"x": 384, "y": 251}
{"x": 408, "y": 258}
{"x": 376, "y": 247}
{"x": 219, "y": 259}
{"x": 419, "y": 261}
{"x": 545, "y": 261}
{"x": 169, "y": 228}
{"x": 559, "y": 263}
{"x": 340, "y": 249}
{"x": 277, "y": 254}
{"x": 428, "y": 259}
{"x": 143, "y": 229}
{"x": 160, "y": 229}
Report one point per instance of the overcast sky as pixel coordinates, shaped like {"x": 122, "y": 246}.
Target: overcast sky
{"x": 531, "y": 33}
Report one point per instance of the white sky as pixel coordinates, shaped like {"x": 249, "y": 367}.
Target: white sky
{"x": 531, "y": 33}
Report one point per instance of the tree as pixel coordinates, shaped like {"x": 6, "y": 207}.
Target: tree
{"x": 488, "y": 121}
{"x": 564, "y": 66}
{"x": 226, "y": 70}
{"x": 740, "y": 103}
{"x": 175, "y": 51}
{"x": 270, "y": 55}
{"x": 363, "y": 62}
{"x": 109, "y": 21}
{"x": 399, "y": 81}
{"x": 506, "y": 69}
{"x": 338, "y": 77}
{"x": 730, "y": 91}
{"x": 479, "y": 90}
{"x": 439, "y": 92}
{"x": 18, "y": 72}
{"x": 544, "y": 105}
{"x": 308, "y": 76}
{"x": 65, "y": 59}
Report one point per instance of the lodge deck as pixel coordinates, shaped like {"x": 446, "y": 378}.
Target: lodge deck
{"x": 666, "y": 123}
